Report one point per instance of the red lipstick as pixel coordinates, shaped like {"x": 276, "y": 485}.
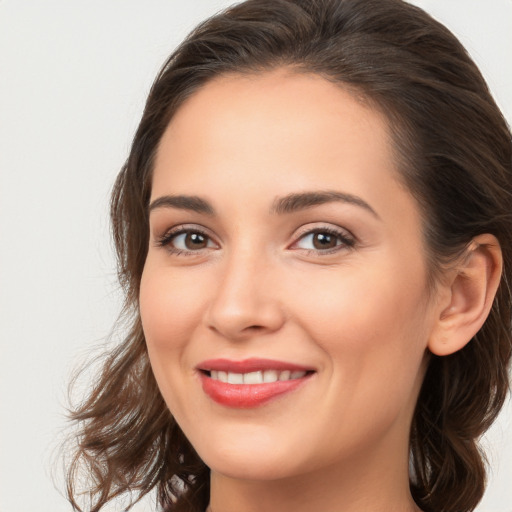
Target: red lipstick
{"x": 249, "y": 365}
{"x": 223, "y": 380}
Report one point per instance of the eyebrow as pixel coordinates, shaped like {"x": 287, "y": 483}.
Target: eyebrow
{"x": 192, "y": 203}
{"x": 281, "y": 205}
{"x": 303, "y": 200}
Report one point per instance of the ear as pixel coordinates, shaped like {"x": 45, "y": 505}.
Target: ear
{"x": 467, "y": 296}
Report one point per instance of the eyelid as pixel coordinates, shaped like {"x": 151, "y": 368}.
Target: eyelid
{"x": 164, "y": 240}
{"x": 348, "y": 240}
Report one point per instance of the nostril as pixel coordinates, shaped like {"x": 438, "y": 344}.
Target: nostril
{"x": 243, "y": 316}
{"x": 253, "y": 330}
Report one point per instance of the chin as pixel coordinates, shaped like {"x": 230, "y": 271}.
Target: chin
{"x": 250, "y": 457}
{"x": 255, "y": 469}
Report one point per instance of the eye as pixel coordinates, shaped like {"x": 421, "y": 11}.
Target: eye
{"x": 324, "y": 240}
{"x": 190, "y": 241}
{"x": 186, "y": 240}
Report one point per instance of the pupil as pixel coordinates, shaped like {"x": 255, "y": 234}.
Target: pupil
{"x": 324, "y": 241}
{"x": 195, "y": 241}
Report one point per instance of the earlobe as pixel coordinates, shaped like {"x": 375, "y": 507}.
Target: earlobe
{"x": 470, "y": 292}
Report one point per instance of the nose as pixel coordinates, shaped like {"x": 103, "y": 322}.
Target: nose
{"x": 245, "y": 302}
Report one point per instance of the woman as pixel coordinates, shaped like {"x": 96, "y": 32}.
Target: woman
{"x": 314, "y": 235}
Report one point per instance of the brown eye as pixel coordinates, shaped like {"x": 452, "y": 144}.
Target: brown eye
{"x": 195, "y": 241}
{"x": 324, "y": 241}
{"x": 186, "y": 241}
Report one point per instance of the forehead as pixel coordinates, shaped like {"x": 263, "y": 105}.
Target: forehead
{"x": 278, "y": 122}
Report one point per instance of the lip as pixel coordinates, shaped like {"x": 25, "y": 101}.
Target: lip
{"x": 252, "y": 364}
{"x": 245, "y": 396}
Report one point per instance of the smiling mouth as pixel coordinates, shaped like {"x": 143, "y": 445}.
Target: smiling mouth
{"x": 257, "y": 377}
{"x": 251, "y": 382}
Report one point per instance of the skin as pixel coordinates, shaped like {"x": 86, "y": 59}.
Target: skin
{"x": 361, "y": 315}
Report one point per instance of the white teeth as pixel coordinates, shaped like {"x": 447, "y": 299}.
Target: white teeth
{"x": 270, "y": 376}
{"x": 235, "y": 378}
{"x": 258, "y": 377}
{"x": 253, "y": 378}
{"x": 285, "y": 375}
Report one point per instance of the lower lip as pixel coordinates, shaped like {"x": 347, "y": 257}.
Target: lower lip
{"x": 246, "y": 396}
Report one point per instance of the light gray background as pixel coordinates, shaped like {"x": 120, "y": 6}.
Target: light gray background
{"x": 73, "y": 78}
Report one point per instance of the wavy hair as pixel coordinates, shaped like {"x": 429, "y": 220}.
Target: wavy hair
{"x": 453, "y": 149}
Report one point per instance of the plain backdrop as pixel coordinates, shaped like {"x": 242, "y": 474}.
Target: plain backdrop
{"x": 74, "y": 75}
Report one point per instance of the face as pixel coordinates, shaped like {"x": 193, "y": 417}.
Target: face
{"x": 284, "y": 296}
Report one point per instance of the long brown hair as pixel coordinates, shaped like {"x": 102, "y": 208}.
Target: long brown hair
{"x": 454, "y": 154}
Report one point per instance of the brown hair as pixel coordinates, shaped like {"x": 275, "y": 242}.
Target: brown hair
{"x": 454, "y": 152}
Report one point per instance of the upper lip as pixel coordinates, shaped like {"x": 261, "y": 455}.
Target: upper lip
{"x": 249, "y": 365}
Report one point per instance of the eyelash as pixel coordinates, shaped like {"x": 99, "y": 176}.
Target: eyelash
{"x": 166, "y": 239}
{"x": 347, "y": 240}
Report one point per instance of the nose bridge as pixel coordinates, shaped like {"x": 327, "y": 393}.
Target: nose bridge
{"x": 244, "y": 301}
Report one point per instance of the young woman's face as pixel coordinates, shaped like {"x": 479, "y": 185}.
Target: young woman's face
{"x": 286, "y": 259}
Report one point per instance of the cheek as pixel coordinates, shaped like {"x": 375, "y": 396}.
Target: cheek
{"x": 372, "y": 330}
{"x": 170, "y": 311}
{"x": 371, "y": 320}
{"x": 169, "y": 308}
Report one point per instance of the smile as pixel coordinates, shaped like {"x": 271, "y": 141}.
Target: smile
{"x": 259, "y": 377}
{"x": 250, "y": 383}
